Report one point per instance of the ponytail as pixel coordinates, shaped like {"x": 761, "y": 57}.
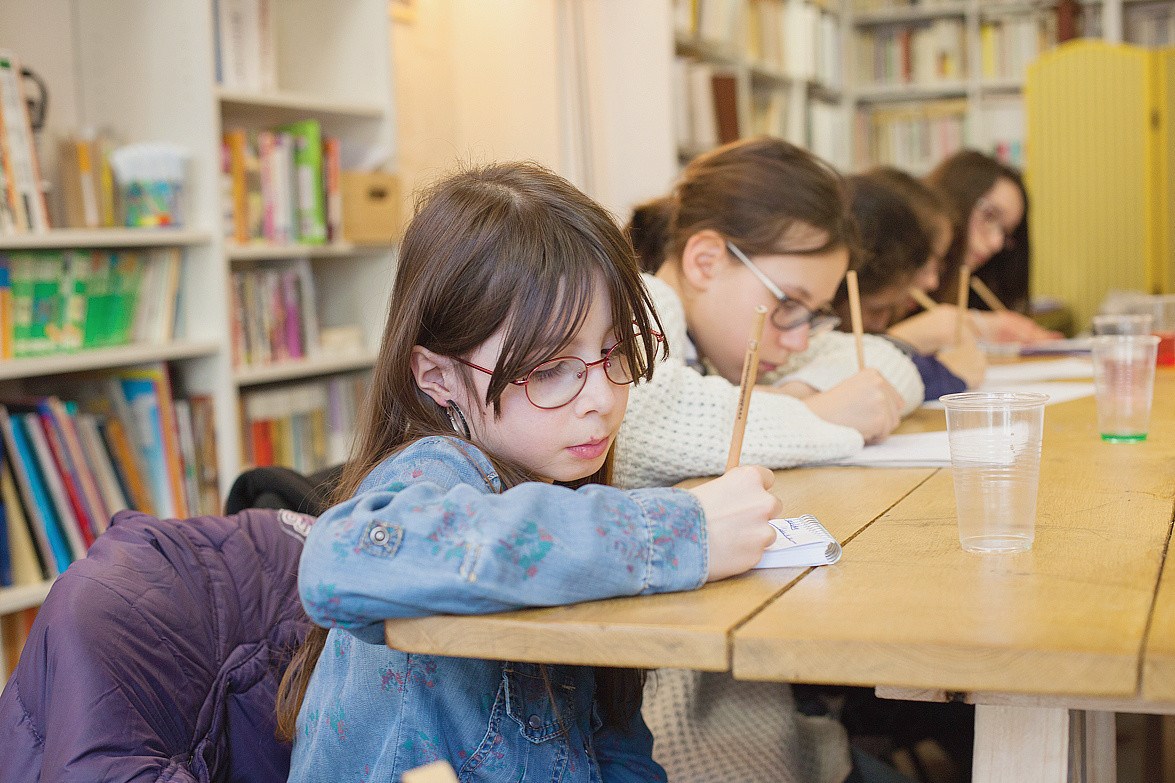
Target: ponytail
{"x": 648, "y": 230}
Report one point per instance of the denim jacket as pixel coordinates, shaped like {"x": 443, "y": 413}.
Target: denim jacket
{"x": 430, "y": 531}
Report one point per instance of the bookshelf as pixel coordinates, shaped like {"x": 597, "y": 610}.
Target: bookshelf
{"x": 751, "y": 67}
{"x": 907, "y": 113}
{"x": 148, "y": 71}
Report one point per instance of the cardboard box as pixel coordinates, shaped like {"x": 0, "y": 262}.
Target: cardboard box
{"x": 371, "y": 207}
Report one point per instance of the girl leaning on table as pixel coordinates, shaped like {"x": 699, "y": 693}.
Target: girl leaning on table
{"x": 895, "y": 251}
{"x": 757, "y": 222}
{"x": 478, "y": 484}
{"x": 989, "y": 207}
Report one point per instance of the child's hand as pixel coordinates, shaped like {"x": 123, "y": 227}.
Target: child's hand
{"x": 737, "y": 506}
{"x": 867, "y": 402}
{"x": 967, "y": 361}
{"x": 1008, "y": 326}
{"x": 932, "y": 330}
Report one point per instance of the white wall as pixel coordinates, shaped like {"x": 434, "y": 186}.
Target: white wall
{"x": 482, "y": 81}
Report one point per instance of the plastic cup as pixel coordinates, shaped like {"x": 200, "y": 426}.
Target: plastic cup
{"x": 1163, "y": 310}
{"x": 1124, "y": 377}
{"x": 995, "y": 458}
{"x": 1122, "y": 324}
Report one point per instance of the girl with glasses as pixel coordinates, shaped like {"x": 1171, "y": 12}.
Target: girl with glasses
{"x": 478, "y": 483}
{"x": 894, "y": 250}
{"x": 990, "y": 208}
{"x": 757, "y": 222}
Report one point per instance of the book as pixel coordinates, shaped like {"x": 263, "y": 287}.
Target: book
{"x": 5, "y": 548}
{"x": 61, "y": 508}
{"x": 19, "y": 461}
{"x": 800, "y": 541}
{"x": 309, "y": 206}
{"x": 27, "y": 567}
{"x": 26, "y": 194}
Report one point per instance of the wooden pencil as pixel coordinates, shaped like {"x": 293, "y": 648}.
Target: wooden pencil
{"x": 987, "y": 295}
{"x": 960, "y": 322}
{"x": 746, "y": 386}
{"x": 855, "y": 315}
{"x": 924, "y": 301}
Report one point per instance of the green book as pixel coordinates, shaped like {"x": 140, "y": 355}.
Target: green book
{"x": 45, "y": 328}
{"x": 97, "y": 300}
{"x": 73, "y": 299}
{"x": 310, "y": 199}
{"x": 125, "y": 294}
{"x": 22, "y": 302}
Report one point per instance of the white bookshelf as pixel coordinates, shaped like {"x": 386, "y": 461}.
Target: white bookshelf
{"x": 795, "y": 93}
{"x": 993, "y": 113}
{"x": 144, "y": 70}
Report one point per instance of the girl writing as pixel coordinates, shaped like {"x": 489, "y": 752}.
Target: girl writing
{"x": 757, "y": 222}
{"x": 517, "y": 324}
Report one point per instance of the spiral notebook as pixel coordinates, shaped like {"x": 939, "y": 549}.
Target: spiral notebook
{"x": 800, "y": 541}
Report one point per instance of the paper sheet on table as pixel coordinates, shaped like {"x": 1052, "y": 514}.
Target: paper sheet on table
{"x": 1066, "y": 345}
{"x": 1034, "y": 372}
{"x": 1057, "y": 391}
{"x": 913, "y": 450}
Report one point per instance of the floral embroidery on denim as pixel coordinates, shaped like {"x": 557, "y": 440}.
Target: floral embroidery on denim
{"x": 449, "y": 537}
{"x": 427, "y": 748}
{"x": 327, "y": 598}
{"x": 627, "y": 537}
{"x": 421, "y": 670}
{"x": 338, "y": 723}
{"x": 342, "y": 644}
{"x": 527, "y": 549}
{"x": 491, "y": 756}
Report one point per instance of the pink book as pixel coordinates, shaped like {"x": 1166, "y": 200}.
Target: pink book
{"x": 293, "y": 314}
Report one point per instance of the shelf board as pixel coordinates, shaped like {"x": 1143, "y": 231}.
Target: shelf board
{"x": 912, "y": 13}
{"x": 1001, "y": 86}
{"x": 910, "y": 92}
{"x": 21, "y": 597}
{"x": 262, "y": 252}
{"x": 292, "y": 105}
{"x": 303, "y": 368}
{"x": 105, "y": 237}
{"x": 103, "y": 358}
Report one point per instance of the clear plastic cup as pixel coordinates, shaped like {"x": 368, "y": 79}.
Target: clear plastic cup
{"x": 1163, "y": 310}
{"x": 1122, "y": 324}
{"x": 1124, "y": 377}
{"x": 995, "y": 458}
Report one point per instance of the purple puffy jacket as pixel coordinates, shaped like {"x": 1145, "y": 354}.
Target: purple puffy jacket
{"x": 156, "y": 658}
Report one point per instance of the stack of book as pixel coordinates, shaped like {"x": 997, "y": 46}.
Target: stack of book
{"x": 274, "y": 316}
{"x": 706, "y": 97}
{"x": 22, "y": 194}
{"x": 307, "y": 426}
{"x": 1009, "y": 44}
{"x": 246, "y": 44}
{"x": 913, "y": 137}
{"x": 67, "y": 467}
{"x": 87, "y": 182}
{"x": 911, "y": 54}
{"x": 795, "y": 40}
{"x": 59, "y": 301}
{"x": 282, "y": 185}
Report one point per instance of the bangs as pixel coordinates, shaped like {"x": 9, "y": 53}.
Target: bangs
{"x": 558, "y": 289}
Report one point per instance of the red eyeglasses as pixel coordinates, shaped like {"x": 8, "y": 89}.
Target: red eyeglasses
{"x": 558, "y": 381}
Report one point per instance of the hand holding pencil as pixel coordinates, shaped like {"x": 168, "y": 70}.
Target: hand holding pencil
{"x": 738, "y": 504}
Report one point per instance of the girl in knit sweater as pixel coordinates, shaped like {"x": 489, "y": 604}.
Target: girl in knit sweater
{"x": 757, "y": 222}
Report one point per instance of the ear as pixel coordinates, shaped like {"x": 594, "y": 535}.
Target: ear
{"x": 704, "y": 258}
{"x": 434, "y": 375}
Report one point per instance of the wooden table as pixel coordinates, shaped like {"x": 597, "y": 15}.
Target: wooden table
{"x": 1049, "y": 643}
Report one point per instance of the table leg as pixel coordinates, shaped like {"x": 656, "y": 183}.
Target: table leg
{"x": 1021, "y": 744}
{"x": 1043, "y": 745}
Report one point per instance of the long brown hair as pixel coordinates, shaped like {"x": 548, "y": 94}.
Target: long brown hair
{"x": 962, "y": 179}
{"x": 510, "y": 247}
{"x": 752, "y": 192}
{"x": 893, "y": 243}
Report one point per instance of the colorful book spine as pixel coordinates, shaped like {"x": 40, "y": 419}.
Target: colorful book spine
{"x": 309, "y": 198}
{"x": 37, "y": 500}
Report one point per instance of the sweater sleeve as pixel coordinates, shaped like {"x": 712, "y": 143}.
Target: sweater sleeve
{"x": 832, "y": 358}
{"x": 678, "y": 425}
{"x": 936, "y": 377}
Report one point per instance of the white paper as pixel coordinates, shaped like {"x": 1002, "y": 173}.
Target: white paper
{"x": 1032, "y": 372}
{"x": 800, "y": 541}
{"x": 1057, "y": 391}
{"x": 912, "y": 450}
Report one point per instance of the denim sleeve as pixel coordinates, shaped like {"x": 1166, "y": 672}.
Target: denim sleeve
{"x": 626, "y": 756}
{"x": 445, "y": 546}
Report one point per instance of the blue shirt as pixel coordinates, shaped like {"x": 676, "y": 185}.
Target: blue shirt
{"x": 430, "y": 531}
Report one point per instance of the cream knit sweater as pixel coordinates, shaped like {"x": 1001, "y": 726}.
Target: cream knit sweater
{"x": 678, "y": 425}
